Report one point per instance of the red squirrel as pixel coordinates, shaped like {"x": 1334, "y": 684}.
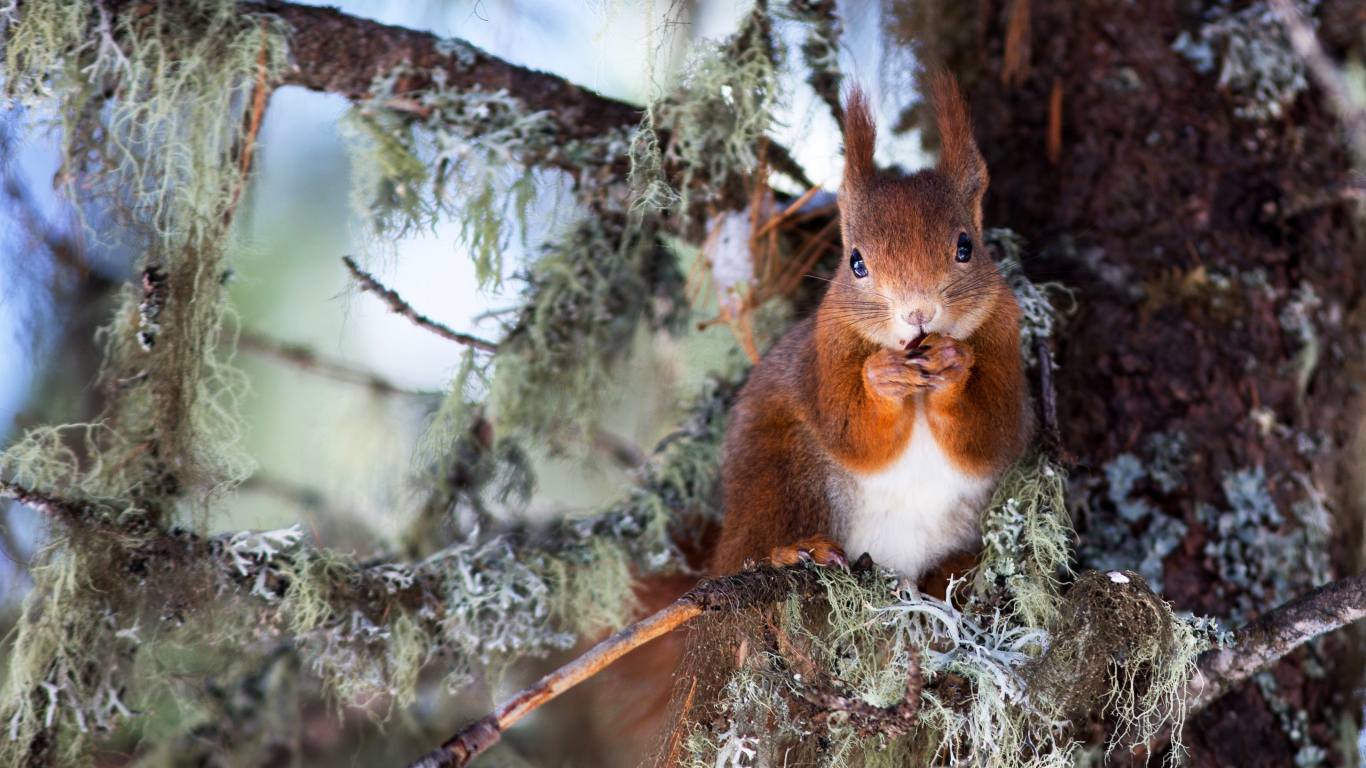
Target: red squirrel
{"x": 882, "y": 423}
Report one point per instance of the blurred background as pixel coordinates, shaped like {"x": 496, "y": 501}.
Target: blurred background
{"x": 1194, "y": 171}
{"x": 321, "y": 442}
{"x": 339, "y": 389}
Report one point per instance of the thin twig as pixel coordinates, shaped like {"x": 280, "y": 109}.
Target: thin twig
{"x": 733, "y": 593}
{"x": 47, "y": 503}
{"x": 311, "y": 361}
{"x": 255, "y": 118}
{"x": 400, "y": 307}
{"x": 625, "y": 453}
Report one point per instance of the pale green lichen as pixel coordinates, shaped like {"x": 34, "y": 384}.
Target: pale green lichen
{"x": 587, "y": 296}
{"x": 1121, "y": 644}
{"x": 446, "y": 153}
{"x": 1254, "y": 548}
{"x": 1026, "y": 535}
{"x": 471, "y": 476}
{"x": 994, "y": 691}
{"x": 151, "y": 98}
{"x": 1248, "y": 46}
{"x": 1124, "y": 529}
{"x": 492, "y": 599}
{"x": 484, "y": 161}
{"x": 716, "y": 121}
{"x": 1040, "y": 317}
{"x": 365, "y": 628}
{"x": 479, "y": 158}
{"x": 151, "y": 101}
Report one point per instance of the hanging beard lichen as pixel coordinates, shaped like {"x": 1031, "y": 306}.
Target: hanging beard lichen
{"x": 484, "y": 161}
{"x": 1025, "y": 540}
{"x": 444, "y": 153}
{"x": 586, "y": 296}
{"x": 152, "y": 103}
{"x": 365, "y": 628}
{"x": 715, "y": 121}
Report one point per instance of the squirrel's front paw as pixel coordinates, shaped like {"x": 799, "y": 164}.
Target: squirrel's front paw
{"x": 891, "y": 374}
{"x": 944, "y": 362}
{"x": 820, "y": 550}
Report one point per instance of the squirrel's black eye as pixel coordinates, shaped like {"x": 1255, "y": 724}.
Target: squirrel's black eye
{"x": 964, "y": 247}
{"x": 856, "y": 264}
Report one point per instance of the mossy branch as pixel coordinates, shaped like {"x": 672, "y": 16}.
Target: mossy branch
{"x": 46, "y": 503}
{"x": 1254, "y": 647}
{"x": 738, "y": 592}
{"x": 336, "y": 52}
{"x": 339, "y": 53}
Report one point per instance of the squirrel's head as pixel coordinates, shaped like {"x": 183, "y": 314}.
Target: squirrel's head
{"x": 914, "y": 262}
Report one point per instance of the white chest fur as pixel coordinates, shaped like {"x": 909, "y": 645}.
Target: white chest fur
{"x": 915, "y": 512}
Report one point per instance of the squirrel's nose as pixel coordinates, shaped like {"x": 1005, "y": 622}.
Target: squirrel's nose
{"x": 918, "y": 317}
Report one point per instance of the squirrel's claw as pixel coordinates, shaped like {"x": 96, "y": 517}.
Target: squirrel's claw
{"x": 941, "y": 360}
{"x": 820, "y": 550}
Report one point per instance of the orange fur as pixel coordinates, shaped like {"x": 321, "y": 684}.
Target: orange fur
{"x": 860, "y": 138}
{"x": 837, "y": 395}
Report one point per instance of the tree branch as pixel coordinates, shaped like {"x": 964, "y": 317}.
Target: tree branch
{"x": 307, "y": 359}
{"x": 734, "y": 593}
{"x": 335, "y": 52}
{"x": 1264, "y": 641}
{"x": 1274, "y": 634}
{"x": 47, "y": 503}
{"x": 398, "y": 306}
{"x": 339, "y": 53}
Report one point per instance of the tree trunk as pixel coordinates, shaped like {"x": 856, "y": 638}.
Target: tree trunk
{"x": 1189, "y": 235}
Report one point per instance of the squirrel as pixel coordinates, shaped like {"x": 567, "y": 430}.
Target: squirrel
{"x": 882, "y": 423}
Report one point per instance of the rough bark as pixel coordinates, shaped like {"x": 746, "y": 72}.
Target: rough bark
{"x": 1274, "y": 634}
{"x": 1156, "y": 187}
{"x": 339, "y": 53}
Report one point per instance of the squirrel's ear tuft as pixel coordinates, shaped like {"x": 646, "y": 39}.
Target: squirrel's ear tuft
{"x": 860, "y": 138}
{"x": 959, "y": 159}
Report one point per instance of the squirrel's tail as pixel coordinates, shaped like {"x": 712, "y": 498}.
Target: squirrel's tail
{"x": 631, "y": 699}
